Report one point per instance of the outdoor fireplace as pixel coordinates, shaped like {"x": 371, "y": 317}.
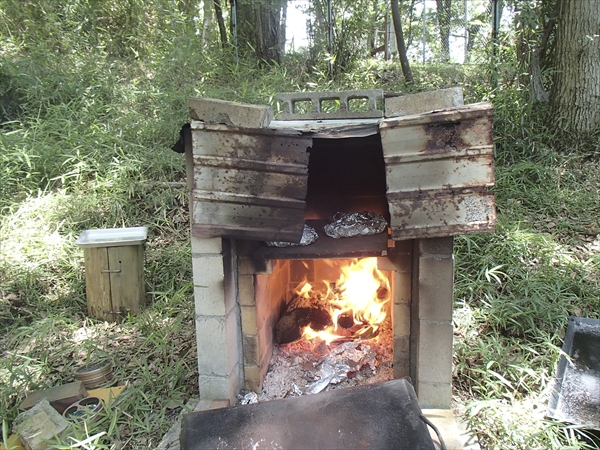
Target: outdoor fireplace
{"x": 253, "y": 180}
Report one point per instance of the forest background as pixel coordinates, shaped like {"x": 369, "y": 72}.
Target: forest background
{"x": 94, "y": 92}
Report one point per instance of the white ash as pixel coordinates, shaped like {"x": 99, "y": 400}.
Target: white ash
{"x": 294, "y": 367}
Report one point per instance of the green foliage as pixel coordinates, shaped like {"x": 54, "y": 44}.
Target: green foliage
{"x": 92, "y": 97}
{"x": 516, "y": 288}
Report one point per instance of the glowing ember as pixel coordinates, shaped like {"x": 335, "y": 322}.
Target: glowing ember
{"x": 356, "y": 302}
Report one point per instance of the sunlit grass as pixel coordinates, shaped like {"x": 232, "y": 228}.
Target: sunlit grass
{"x": 89, "y": 147}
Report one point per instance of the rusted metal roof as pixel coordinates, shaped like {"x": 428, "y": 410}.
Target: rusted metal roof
{"x": 248, "y": 183}
{"x": 252, "y": 183}
{"x": 439, "y": 167}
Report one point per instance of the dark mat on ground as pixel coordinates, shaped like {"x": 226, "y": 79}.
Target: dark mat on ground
{"x": 378, "y": 416}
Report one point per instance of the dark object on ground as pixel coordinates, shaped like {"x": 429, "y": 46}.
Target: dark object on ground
{"x": 576, "y": 395}
{"x": 377, "y": 416}
{"x": 59, "y": 397}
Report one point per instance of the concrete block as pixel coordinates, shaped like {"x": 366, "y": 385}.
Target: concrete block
{"x": 235, "y": 355}
{"x": 250, "y": 350}
{"x": 435, "y": 352}
{"x": 250, "y": 266}
{"x": 436, "y": 289}
{"x": 235, "y": 382}
{"x": 436, "y": 246}
{"x": 246, "y": 266}
{"x": 249, "y": 320}
{"x": 212, "y": 339}
{"x": 213, "y": 387}
{"x": 207, "y": 269}
{"x": 253, "y": 378}
{"x": 243, "y": 115}
{"x": 401, "y": 319}
{"x": 207, "y": 303}
{"x": 401, "y": 365}
{"x": 60, "y": 397}
{"x": 246, "y": 290}
{"x": 209, "y": 288}
{"x": 401, "y": 356}
{"x": 246, "y": 248}
{"x": 345, "y": 111}
{"x": 203, "y": 246}
{"x": 434, "y": 395}
{"x": 402, "y": 284}
{"x": 423, "y": 102}
{"x": 39, "y": 424}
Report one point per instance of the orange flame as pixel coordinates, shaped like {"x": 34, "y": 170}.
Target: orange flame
{"x": 357, "y": 300}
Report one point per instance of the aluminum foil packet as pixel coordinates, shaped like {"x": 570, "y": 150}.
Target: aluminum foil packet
{"x": 309, "y": 235}
{"x": 248, "y": 398}
{"x": 355, "y": 224}
{"x": 334, "y": 368}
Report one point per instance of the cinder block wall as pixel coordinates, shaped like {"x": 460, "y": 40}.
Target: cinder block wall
{"x": 431, "y": 321}
{"x": 401, "y": 260}
{"x": 235, "y": 335}
{"x": 220, "y": 369}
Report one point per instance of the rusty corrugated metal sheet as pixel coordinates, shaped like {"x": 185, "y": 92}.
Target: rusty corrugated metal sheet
{"x": 248, "y": 183}
{"x": 439, "y": 167}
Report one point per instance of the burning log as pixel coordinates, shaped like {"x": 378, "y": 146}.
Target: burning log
{"x": 290, "y": 325}
{"x": 352, "y": 307}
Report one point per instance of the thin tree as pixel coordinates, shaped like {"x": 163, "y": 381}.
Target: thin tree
{"x": 444, "y": 13}
{"x": 575, "y": 99}
{"x": 400, "y": 41}
{"x": 207, "y": 22}
{"x": 221, "y": 22}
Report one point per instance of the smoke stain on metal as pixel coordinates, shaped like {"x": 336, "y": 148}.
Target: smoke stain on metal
{"x": 252, "y": 182}
{"x": 439, "y": 167}
{"x": 248, "y": 183}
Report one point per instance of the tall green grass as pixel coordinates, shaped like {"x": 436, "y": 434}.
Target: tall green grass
{"x": 516, "y": 288}
{"x": 85, "y": 144}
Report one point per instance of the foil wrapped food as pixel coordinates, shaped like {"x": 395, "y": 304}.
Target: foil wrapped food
{"x": 335, "y": 367}
{"x": 309, "y": 235}
{"x": 355, "y": 224}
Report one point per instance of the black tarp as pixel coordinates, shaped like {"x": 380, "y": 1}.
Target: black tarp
{"x": 379, "y": 416}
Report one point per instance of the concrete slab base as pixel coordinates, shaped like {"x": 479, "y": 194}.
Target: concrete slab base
{"x": 453, "y": 431}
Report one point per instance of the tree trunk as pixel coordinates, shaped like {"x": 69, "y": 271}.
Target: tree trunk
{"x": 536, "y": 88}
{"x": 443, "y": 16}
{"x": 400, "y": 41}
{"x": 207, "y": 22}
{"x": 282, "y": 36}
{"x": 221, "y": 22}
{"x": 260, "y": 25}
{"x": 575, "y": 101}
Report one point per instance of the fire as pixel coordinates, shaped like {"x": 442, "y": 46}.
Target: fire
{"x": 355, "y": 302}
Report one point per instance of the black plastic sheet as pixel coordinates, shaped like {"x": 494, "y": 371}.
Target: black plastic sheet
{"x": 379, "y": 416}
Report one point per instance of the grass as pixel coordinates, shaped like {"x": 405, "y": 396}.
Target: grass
{"x": 85, "y": 144}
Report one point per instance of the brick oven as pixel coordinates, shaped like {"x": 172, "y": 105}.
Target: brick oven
{"x": 424, "y": 162}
